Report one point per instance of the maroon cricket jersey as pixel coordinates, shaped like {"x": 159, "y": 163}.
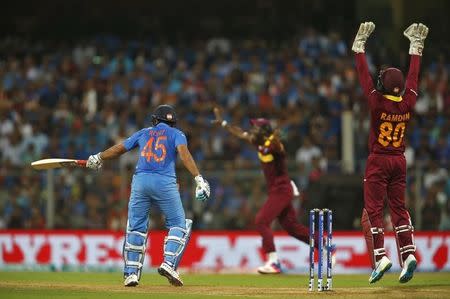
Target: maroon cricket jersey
{"x": 274, "y": 164}
{"x": 389, "y": 115}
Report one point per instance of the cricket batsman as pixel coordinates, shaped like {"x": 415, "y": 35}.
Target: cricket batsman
{"x": 391, "y": 103}
{"x": 281, "y": 189}
{"x": 154, "y": 184}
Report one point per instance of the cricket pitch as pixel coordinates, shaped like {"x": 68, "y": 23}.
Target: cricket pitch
{"x": 109, "y": 285}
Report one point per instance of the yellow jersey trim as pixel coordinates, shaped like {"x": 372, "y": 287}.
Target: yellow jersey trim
{"x": 269, "y": 157}
{"x": 393, "y": 98}
{"x": 265, "y": 158}
{"x": 269, "y": 140}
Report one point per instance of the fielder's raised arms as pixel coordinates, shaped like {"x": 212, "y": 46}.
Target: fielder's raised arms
{"x": 57, "y": 163}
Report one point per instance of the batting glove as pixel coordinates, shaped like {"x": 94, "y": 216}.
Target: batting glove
{"x": 94, "y": 162}
{"x": 364, "y": 31}
{"x": 202, "y": 191}
{"x": 416, "y": 33}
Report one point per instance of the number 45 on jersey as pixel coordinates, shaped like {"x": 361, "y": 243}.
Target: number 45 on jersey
{"x": 156, "y": 151}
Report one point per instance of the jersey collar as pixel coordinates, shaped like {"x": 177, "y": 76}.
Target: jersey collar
{"x": 268, "y": 140}
{"x": 393, "y": 98}
{"x": 162, "y": 124}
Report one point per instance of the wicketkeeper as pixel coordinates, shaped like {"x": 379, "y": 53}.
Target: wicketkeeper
{"x": 391, "y": 103}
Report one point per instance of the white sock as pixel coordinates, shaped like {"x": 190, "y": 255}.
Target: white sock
{"x": 273, "y": 257}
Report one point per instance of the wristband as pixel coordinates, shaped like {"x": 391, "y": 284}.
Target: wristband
{"x": 224, "y": 123}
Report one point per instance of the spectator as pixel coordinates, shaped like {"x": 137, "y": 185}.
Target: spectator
{"x": 434, "y": 174}
{"x": 307, "y": 152}
{"x": 431, "y": 211}
{"x": 68, "y": 101}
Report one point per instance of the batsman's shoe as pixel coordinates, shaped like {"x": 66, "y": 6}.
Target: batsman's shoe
{"x": 382, "y": 266}
{"x": 270, "y": 268}
{"x": 409, "y": 266}
{"x": 131, "y": 280}
{"x": 171, "y": 274}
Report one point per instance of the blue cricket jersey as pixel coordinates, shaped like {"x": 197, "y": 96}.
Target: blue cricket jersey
{"x": 157, "y": 148}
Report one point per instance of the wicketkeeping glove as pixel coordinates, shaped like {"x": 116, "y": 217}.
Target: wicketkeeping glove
{"x": 94, "y": 162}
{"x": 364, "y": 31}
{"x": 202, "y": 190}
{"x": 416, "y": 33}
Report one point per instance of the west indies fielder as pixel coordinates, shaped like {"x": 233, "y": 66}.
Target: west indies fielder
{"x": 281, "y": 190}
{"x": 391, "y": 103}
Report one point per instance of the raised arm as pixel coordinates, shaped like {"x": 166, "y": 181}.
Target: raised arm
{"x": 364, "y": 31}
{"x": 413, "y": 73}
{"x": 416, "y": 33}
{"x": 234, "y": 130}
{"x": 363, "y": 74}
{"x": 237, "y": 131}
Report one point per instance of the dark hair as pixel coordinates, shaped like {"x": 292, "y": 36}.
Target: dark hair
{"x": 264, "y": 129}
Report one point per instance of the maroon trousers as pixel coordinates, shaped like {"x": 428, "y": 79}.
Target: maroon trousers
{"x": 386, "y": 175}
{"x": 279, "y": 205}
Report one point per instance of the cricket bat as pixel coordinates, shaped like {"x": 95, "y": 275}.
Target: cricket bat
{"x": 57, "y": 163}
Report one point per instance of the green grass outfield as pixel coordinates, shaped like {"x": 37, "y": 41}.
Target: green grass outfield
{"x": 109, "y": 285}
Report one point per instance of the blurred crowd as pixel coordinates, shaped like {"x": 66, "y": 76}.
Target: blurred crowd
{"x": 73, "y": 99}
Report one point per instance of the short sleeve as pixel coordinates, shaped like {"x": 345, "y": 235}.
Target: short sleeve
{"x": 180, "y": 138}
{"x": 133, "y": 141}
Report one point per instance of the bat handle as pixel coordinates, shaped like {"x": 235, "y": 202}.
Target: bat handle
{"x": 81, "y": 163}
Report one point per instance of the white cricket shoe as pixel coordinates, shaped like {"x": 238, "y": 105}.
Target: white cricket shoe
{"x": 382, "y": 266}
{"x": 270, "y": 267}
{"x": 131, "y": 280}
{"x": 409, "y": 265}
{"x": 171, "y": 275}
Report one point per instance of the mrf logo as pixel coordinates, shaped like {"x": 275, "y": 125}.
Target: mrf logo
{"x": 223, "y": 250}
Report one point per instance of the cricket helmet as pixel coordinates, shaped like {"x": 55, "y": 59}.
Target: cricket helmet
{"x": 165, "y": 114}
{"x": 391, "y": 81}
